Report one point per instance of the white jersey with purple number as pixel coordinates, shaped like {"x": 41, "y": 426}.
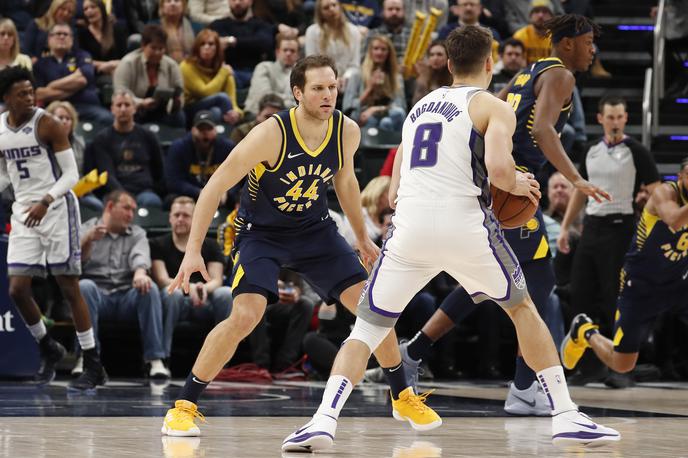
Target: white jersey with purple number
{"x": 442, "y": 153}
{"x": 31, "y": 165}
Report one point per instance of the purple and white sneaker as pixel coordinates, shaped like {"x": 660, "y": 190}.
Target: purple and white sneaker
{"x": 317, "y": 434}
{"x": 574, "y": 428}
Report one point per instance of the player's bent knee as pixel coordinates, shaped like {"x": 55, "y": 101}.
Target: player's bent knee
{"x": 244, "y": 318}
{"x": 624, "y": 362}
{"x": 370, "y": 334}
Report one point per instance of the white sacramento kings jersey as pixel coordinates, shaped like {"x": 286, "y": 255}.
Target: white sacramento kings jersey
{"x": 443, "y": 156}
{"x": 31, "y": 165}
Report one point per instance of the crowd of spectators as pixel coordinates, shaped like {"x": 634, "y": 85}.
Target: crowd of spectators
{"x": 211, "y": 70}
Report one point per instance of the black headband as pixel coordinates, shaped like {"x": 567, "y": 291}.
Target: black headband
{"x": 570, "y": 32}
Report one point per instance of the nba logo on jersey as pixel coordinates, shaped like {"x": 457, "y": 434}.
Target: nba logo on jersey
{"x": 519, "y": 278}
{"x": 27, "y": 130}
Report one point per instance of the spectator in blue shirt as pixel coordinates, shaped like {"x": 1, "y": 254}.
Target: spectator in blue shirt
{"x": 67, "y": 74}
{"x": 192, "y": 159}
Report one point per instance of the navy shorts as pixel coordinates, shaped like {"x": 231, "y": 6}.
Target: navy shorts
{"x": 322, "y": 257}
{"x": 639, "y": 305}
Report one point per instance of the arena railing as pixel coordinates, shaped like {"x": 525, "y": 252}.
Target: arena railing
{"x": 658, "y": 64}
{"x": 648, "y": 114}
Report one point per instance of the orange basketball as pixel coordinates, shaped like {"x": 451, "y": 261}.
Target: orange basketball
{"x": 511, "y": 211}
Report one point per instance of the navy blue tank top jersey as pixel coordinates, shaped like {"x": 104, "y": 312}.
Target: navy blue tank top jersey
{"x": 292, "y": 195}
{"x": 522, "y": 98}
{"x": 529, "y": 242}
{"x": 658, "y": 254}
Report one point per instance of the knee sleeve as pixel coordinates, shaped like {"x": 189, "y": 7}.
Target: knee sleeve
{"x": 369, "y": 334}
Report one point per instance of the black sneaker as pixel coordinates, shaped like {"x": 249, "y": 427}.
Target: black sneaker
{"x": 619, "y": 381}
{"x": 51, "y": 354}
{"x": 93, "y": 374}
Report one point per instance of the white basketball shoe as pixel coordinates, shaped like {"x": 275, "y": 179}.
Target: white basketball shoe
{"x": 574, "y": 428}
{"x": 317, "y": 434}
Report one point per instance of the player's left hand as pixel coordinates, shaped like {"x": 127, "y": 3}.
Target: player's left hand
{"x": 35, "y": 214}
{"x": 591, "y": 190}
{"x": 368, "y": 251}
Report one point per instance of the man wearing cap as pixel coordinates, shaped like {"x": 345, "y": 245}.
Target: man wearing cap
{"x": 192, "y": 159}
{"x": 517, "y": 12}
{"x": 268, "y": 106}
{"x": 533, "y": 36}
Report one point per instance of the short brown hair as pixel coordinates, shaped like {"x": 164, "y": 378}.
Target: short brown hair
{"x": 183, "y": 200}
{"x": 298, "y": 73}
{"x": 153, "y": 33}
{"x": 467, "y": 48}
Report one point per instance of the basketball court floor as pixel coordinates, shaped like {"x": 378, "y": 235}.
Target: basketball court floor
{"x": 250, "y": 420}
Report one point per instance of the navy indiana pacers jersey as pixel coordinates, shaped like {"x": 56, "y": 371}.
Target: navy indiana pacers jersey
{"x": 522, "y": 98}
{"x": 292, "y": 195}
{"x": 658, "y": 254}
{"x": 529, "y": 242}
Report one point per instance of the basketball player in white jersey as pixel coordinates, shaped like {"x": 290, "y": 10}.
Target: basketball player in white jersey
{"x": 37, "y": 160}
{"x": 455, "y": 142}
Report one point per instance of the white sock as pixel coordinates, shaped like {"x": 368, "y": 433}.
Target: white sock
{"x": 336, "y": 393}
{"x": 37, "y": 330}
{"x": 554, "y": 385}
{"x": 86, "y": 339}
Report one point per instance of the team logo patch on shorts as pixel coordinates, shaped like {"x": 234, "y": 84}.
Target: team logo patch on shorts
{"x": 519, "y": 278}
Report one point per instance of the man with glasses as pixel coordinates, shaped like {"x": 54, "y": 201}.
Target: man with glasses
{"x": 67, "y": 73}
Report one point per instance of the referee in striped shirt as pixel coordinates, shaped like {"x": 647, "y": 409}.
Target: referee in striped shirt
{"x": 618, "y": 164}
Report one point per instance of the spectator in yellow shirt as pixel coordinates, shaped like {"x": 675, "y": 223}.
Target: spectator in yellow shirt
{"x": 209, "y": 82}
{"x": 534, "y": 36}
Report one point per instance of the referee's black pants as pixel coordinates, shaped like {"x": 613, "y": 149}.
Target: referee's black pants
{"x": 596, "y": 267}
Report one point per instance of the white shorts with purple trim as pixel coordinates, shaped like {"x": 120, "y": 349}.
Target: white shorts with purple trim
{"x": 456, "y": 236}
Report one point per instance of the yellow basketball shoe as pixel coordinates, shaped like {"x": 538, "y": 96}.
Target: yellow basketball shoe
{"x": 179, "y": 421}
{"x": 411, "y": 407}
{"x": 574, "y": 344}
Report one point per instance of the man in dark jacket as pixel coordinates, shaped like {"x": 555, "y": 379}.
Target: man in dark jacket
{"x": 192, "y": 159}
{"x": 248, "y": 40}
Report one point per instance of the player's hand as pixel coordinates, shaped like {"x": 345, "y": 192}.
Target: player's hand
{"x": 368, "y": 251}
{"x": 591, "y": 190}
{"x": 192, "y": 262}
{"x": 142, "y": 283}
{"x": 526, "y": 185}
{"x": 563, "y": 241}
{"x": 35, "y": 214}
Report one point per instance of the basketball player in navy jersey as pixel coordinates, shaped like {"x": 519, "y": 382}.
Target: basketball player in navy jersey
{"x": 283, "y": 221}
{"x": 541, "y": 96}
{"x": 654, "y": 279}
{"x": 38, "y": 161}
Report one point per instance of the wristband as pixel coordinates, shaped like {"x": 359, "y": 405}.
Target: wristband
{"x": 45, "y": 202}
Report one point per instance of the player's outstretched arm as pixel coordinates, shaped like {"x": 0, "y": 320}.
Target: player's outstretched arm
{"x": 262, "y": 144}
{"x": 663, "y": 200}
{"x": 556, "y": 86}
{"x": 349, "y": 192}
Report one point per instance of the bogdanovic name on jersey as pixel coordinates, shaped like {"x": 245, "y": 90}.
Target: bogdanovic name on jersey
{"x": 446, "y": 109}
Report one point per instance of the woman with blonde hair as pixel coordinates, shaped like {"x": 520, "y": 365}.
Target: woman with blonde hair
{"x": 102, "y": 37}
{"x": 67, "y": 115}
{"x": 9, "y": 47}
{"x": 208, "y": 82}
{"x": 332, "y": 34}
{"x": 35, "y": 39}
{"x": 374, "y": 201}
{"x": 375, "y": 97}
{"x": 180, "y": 35}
